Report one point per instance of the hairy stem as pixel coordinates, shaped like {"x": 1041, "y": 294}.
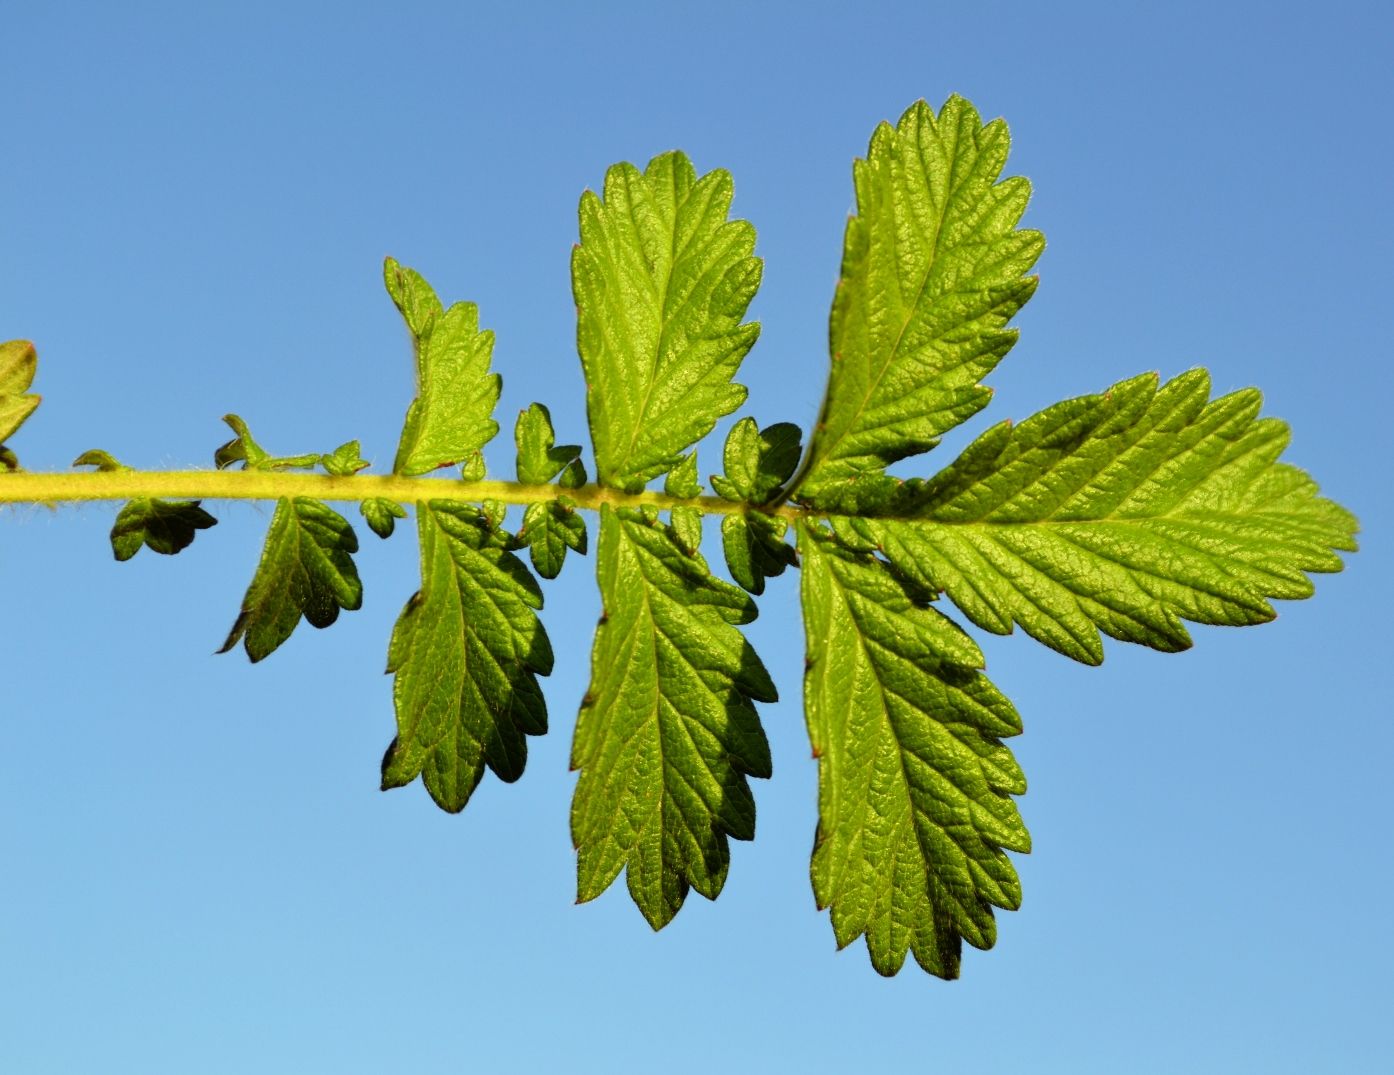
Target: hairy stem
{"x": 35, "y": 488}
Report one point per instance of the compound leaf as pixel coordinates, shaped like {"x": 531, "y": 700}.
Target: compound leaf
{"x": 466, "y": 652}
{"x": 306, "y": 569}
{"x": 451, "y": 418}
{"x": 1125, "y": 513}
{"x": 915, "y": 787}
{"x": 661, "y": 280}
{"x": 667, "y": 734}
{"x": 932, "y": 270}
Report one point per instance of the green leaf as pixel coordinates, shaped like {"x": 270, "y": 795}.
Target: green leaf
{"x": 1126, "y": 513}
{"x": 682, "y": 480}
{"x": 306, "y": 569}
{"x": 549, "y": 529}
{"x": 661, "y": 280}
{"x": 452, "y": 415}
{"x": 667, "y": 734}
{"x": 914, "y": 783}
{"x": 245, "y": 450}
{"x": 687, "y": 527}
{"x": 163, "y": 526}
{"x": 18, "y": 364}
{"x": 466, "y": 652}
{"x": 345, "y": 461}
{"x": 381, "y": 515}
{"x": 755, "y": 548}
{"x": 758, "y": 461}
{"x": 932, "y": 270}
{"x": 540, "y": 458}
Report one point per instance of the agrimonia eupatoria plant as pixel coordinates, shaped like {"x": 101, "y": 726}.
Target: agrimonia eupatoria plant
{"x": 1122, "y": 513}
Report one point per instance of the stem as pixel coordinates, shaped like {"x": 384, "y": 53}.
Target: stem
{"x": 23, "y": 487}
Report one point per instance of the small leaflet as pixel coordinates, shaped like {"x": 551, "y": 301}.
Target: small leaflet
{"x": 549, "y": 529}
{"x": 662, "y": 280}
{"x": 306, "y": 569}
{"x": 668, "y": 734}
{"x": 466, "y": 654}
{"x": 540, "y": 458}
{"x": 755, "y": 549}
{"x": 451, "y": 418}
{"x": 381, "y": 515}
{"x": 163, "y": 526}
{"x": 18, "y": 364}
{"x": 758, "y": 461}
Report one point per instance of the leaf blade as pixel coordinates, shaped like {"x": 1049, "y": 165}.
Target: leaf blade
{"x": 661, "y": 280}
{"x": 933, "y": 269}
{"x": 668, "y": 733}
{"x": 306, "y": 570}
{"x": 466, "y": 653}
{"x": 1123, "y": 513}
{"x": 915, "y": 785}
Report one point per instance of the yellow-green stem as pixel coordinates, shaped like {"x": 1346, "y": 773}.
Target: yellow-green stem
{"x": 23, "y": 487}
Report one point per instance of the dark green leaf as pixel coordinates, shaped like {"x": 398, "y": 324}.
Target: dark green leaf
{"x": 163, "y": 526}
{"x": 758, "y": 461}
{"x": 381, "y": 515}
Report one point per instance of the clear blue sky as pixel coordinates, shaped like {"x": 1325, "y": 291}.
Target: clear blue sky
{"x": 199, "y": 871}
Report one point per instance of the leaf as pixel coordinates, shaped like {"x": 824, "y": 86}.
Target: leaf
{"x": 306, "y": 569}
{"x": 549, "y": 529}
{"x": 18, "y": 364}
{"x": 345, "y": 461}
{"x": 682, "y": 480}
{"x": 466, "y": 652}
{"x": 245, "y": 450}
{"x": 667, "y": 734}
{"x": 914, "y": 783}
{"x": 452, "y": 415}
{"x": 758, "y": 461}
{"x": 540, "y": 459}
{"x": 755, "y": 549}
{"x": 163, "y": 526}
{"x": 1125, "y": 513}
{"x": 932, "y": 270}
{"x": 381, "y": 515}
{"x": 661, "y": 280}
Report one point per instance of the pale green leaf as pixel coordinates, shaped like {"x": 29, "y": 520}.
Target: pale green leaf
{"x": 306, "y": 569}
{"x": 932, "y": 271}
{"x": 244, "y": 449}
{"x": 682, "y": 480}
{"x": 540, "y": 458}
{"x": 661, "y": 280}
{"x": 451, "y": 418}
{"x": 1126, "y": 513}
{"x": 344, "y": 461}
{"x": 667, "y": 734}
{"x": 18, "y": 363}
{"x": 466, "y": 652}
{"x": 915, "y": 787}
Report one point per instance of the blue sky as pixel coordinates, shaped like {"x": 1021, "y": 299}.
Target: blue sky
{"x": 200, "y": 872}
